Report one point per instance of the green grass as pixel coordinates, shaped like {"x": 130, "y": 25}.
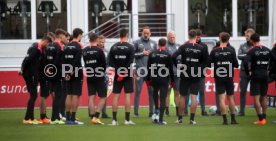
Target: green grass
{"x": 207, "y": 129}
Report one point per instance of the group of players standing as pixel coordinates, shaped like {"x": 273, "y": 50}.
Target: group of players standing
{"x": 55, "y": 49}
{"x": 43, "y": 65}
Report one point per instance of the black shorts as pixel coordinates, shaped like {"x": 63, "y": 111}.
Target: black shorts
{"x": 189, "y": 85}
{"x": 44, "y": 88}
{"x": 99, "y": 87}
{"x": 258, "y": 87}
{"x": 74, "y": 87}
{"x": 127, "y": 84}
{"x": 223, "y": 86}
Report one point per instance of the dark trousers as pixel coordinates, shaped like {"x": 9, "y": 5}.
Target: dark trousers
{"x": 139, "y": 84}
{"x": 244, "y": 81}
{"x": 62, "y": 98}
{"x": 32, "y": 83}
{"x": 163, "y": 91}
{"x": 56, "y": 87}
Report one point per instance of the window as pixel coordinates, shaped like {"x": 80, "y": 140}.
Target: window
{"x": 50, "y": 15}
{"x": 253, "y": 14}
{"x": 151, "y": 13}
{"x": 15, "y": 19}
{"x": 211, "y": 16}
{"x": 100, "y": 11}
{"x": 152, "y": 6}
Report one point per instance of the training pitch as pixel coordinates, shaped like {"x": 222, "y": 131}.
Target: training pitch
{"x": 207, "y": 129}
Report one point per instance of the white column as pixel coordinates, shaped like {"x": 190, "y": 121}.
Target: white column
{"x": 235, "y": 18}
{"x": 135, "y": 20}
{"x": 169, "y": 16}
{"x": 86, "y": 16}
{"x": 179, "y": 9}
{"x": 272, "y": 23}
{"x": 77, "y": 14}
{"x": 69, "y": 16}
{"x": 33, "y": 20}
{"x": 186, "y": 20}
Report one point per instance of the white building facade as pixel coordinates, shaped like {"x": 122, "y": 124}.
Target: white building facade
{"x": 23, "y": 24}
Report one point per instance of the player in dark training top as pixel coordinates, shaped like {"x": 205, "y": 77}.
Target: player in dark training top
{"x": 224, "y": 58}
{"x": 160, "y": 73}
{"x": 258, "y": 60}
{"x": 95, "y": 64}
{"x": 54, "y": 59}
{"x": 29, "y": 71}
{"x": 193, "y": 58}
{"x": 44, "y": 82}
{"x": 202, "y": 79}
{"x": 121, "y": 57}
{"x": 101, "y": 44}
{"x": 73, "y": 76}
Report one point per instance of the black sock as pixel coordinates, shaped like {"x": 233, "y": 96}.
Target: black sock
{"x": 114, "y": 115}
{"x": 224, "y": 118}
{"x": 97, "y": 114}
{"x": 233, "y": 117}
{"x": 161, "y": 115}
{"x": 91, "y": 115}
{"x": 167, "y": 108}
{"x": 176, "y": 108}
{"x": 180, "y": 117}
{"x": 42, "y": 116}
{"x": 73, "y": 117}
{"x": 68, "y": 116}
{"x": 127, "y": 116}
{"x": 192, "y": 117}
{"x": 264, "y": 116}
{"x": 260, "y": 117}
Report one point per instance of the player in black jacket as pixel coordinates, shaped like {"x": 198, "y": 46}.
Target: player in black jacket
{"x": 258, "y": 60}
{"x": 193, "y": 59}
{"x": 218, "y": 112}
{"x": 73, "y": 76}
{"x": 95, "y": 64}
{"x": 202, "y": 79}
{"x": 29, "y": 71}
{"x": 54, "y": 60}
{"x": 44, "y": 82}
{"x": 62, "y": 102}
{"x": 224, "y": 58}
{"x": 160, "y": 60}
{"x": 101, "y": 44}
{"x": 121, "y": 57}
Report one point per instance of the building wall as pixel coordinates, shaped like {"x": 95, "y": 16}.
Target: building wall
{"x": 77, "y": 18}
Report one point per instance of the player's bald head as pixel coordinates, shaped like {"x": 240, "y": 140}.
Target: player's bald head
{"x": 171, "y": 33}
{"x": 171, "y": 37}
